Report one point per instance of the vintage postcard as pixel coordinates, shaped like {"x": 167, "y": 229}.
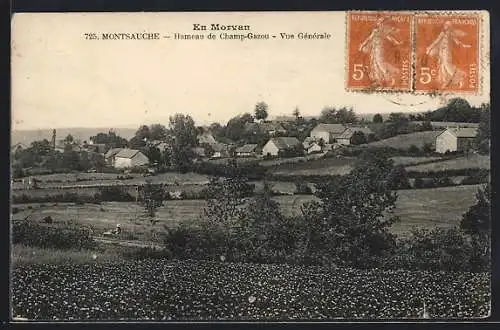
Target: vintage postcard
{"x": 250, "y": 166}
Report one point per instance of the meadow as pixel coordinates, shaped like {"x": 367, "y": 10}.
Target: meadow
{"x": 416, "y": 207}
{"x": 404, "y": 141}
{"x": 328, "y": 165}
{"x": 472, "y": 161}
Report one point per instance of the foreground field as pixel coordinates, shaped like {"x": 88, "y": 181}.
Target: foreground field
{"x": 416, "y": 207}
{"x": 166, "y": 290}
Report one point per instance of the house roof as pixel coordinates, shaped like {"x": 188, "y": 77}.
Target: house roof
{"x": 127, "y": 153}
{"x": 330, "y": 128}
{"x": 220, "y": 147}
{"x": 347, "y": 134}
{"x": 466, "y": 132}
{"x": 285, "y": 142}
{"x": 112, "y": 152}
{"x": 247, "y": 148}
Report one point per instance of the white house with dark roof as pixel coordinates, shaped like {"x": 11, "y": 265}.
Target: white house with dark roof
{"x": 327, "y": 132}
{"x": 126, "y": 158}
{"x": 277, "y": 144}
{"x": 455, "y": 139}
{"x": 109, "y": 156}
{"x": 346, "y": 136}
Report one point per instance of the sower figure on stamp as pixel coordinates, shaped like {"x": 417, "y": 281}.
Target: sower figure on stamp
{"x": 448, "y": 73}
{"x": 381, "y": 71}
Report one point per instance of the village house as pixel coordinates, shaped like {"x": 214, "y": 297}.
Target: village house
{"x": 221, "y": 150}
{"x": 127, "y": 158}
{"x": 455, "y": 139}
{"x": 275, "y": 145}
{"x": 247, "y": 150}
{"x": 346, "y": 136}
{"x": 109, "y": 156}
{"x": 327, "y": 132}
{"x": 314, "y": 147}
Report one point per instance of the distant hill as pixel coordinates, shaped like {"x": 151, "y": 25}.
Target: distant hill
{"x": 79, "y": 133}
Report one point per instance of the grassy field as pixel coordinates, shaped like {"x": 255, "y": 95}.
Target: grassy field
{"x": 418, "y": 207}
{"x": 404, "y": 141}
{"x": 473, "y": 161}
{"x": 62, "y": 179}
{"x": 329, "y": 165}
{"x": 408, "y": 161}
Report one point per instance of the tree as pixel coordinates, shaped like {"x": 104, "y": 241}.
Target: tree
{"x": 476, "y": 220}
{"x": 157, "y": 132}
{"x": 296, "y": 113}
{"x": 235, "y": 128}
{"x": 352, "y": 220}
{"x": 69, "y": 139}
{"x": 398, "y": 178}
{"x": 345, "y": 116}
{"x": 224, "y": 210}
{"x": 483, "y": 137}
{"x": 377, "y": 118}
{"x": 151, "y": 197}
{"x": 261, "y": 111}
{"x": 358, "y": 137}
{"x": 185, "y": 139}
{"x": 110, "y": 139}
{"x": 143, "y": 133}
{"x": 477, "y": 223}
{"x": 328, "y": 115}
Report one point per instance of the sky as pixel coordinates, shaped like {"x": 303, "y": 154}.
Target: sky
{"x": 59, "y": 79}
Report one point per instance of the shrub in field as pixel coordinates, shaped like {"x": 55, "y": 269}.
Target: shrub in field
{"x": 113, "y": 194}
{"x": 302, "y": 187}
{"x": 448, "y": 249}
{"x": 185, "y": 242}
{"x": 36, "y": 235}
{"x": 398, "y": 178}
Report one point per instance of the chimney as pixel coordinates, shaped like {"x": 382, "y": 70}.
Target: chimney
{"x": 53, "y": 139}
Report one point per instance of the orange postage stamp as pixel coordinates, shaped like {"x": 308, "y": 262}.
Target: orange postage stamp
{"x": 447, "y": 54}
{"x": 379, "y": 51}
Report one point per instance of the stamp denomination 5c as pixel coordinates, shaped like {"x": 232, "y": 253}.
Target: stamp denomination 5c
{"x": 379, "y": 51}
{"x": 447, "y": 53}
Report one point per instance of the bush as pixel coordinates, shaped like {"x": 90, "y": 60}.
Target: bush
{"x": 448, "y": 249}
{"x": 302, "y": 188}
{"x": 113, "y": 194}
{"x": 185, "y": 242}
{"x": 251, "y": 170}
{"x": 37, "y": 235}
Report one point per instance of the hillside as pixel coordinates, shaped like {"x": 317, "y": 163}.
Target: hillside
{"x": 404, "y": 141}
{"x": 80, "y": 133}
